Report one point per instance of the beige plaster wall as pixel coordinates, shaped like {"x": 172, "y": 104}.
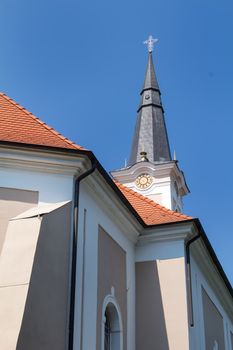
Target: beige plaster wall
{"x": 12, "y": 203}
{"x": 213, "y": 323}
{"x": 111, "y": 273}
{"x": 34, "y": 282}
{"x": 12, "y": 303}
{"x": 150, "y": 322}
{"x": 16, "y": 263}
{"x": 161, "y": 310}
{"x": 172, "y": 278}
{"x": 45, "y": 320}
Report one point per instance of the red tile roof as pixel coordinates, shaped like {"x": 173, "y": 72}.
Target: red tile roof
{"x": 19, "y": 125}
{"x": 151, "y": 213}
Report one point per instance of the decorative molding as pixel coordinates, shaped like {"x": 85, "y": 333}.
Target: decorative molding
{"x": 167, "y": 233}
{"x": 42, "y": 162}
{"x": 157, "y": 170}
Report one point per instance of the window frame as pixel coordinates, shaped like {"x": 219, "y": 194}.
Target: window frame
{"x": 111, "y": 300}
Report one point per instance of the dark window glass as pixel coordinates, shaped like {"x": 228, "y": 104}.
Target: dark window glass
{"x": 107, "y": 331}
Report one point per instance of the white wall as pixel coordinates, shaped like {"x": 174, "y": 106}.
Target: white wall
{"x": 159, "y": 191}
{"x": 52, "y": 188}
{"x": 160, "y": 250}
{"x": 97, "y": 215}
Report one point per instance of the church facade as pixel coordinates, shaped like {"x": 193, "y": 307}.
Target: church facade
{"x": 93, "y": 261}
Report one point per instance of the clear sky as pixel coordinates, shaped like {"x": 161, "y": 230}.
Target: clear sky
{"x": 79, "y": 66}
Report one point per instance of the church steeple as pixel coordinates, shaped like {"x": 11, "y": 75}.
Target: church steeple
{"x": 151, "y": 170}
{"x": 150, "y": 132}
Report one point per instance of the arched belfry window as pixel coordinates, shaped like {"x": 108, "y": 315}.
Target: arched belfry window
{"x": 112, "y": 334}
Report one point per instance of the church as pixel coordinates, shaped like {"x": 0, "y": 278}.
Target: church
{"x": 97, "y": 261}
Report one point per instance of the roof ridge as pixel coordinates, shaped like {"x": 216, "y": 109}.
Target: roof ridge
{"x": 150, "y": 201}
{"x": 23, "y": 109}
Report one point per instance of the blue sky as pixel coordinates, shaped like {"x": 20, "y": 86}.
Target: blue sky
{"x": 79, "y": 66}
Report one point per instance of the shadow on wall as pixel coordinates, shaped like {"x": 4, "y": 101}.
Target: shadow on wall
{"x": 213, "y": 324}
{"x": 45, "y": 320}
{"x": 111, "y": 273}
{"x": 12, "y": 203}
{"x": 150, "y": 321}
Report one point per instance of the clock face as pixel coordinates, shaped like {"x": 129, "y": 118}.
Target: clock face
{"x": 143, "y": 181}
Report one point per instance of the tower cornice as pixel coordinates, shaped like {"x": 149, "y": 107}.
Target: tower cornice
{"x": 151, "y": 105}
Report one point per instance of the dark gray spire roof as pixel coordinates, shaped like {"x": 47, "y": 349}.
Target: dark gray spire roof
{"x": 150, "y": 81}
{"x": 150, "y": 132}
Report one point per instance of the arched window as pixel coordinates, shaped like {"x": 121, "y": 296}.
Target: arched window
{"x": 107, "y": 331}
{"x": 112, "y": 327}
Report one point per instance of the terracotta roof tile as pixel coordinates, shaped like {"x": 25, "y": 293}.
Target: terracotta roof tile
{"x": 19, "y": 125}
{"x": 151, "y": 212}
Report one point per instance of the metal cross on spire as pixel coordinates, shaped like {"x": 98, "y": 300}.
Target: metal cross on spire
{"x": 150, "y": 43}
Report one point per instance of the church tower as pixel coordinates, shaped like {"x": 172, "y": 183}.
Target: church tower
{"x": 151, "y": 171}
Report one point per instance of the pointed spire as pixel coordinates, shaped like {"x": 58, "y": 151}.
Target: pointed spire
{"x": 150, "y": 81}
{"x": 150, "y": 132}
